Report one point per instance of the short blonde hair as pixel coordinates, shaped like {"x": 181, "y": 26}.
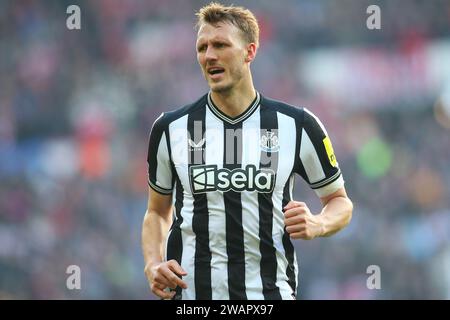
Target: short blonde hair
{"x": 241, "y": 17}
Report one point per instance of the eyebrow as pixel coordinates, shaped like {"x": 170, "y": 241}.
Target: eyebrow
{"x": 217, "y": 39}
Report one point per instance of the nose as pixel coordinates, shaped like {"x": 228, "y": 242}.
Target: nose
{"x": 210, "y": 54}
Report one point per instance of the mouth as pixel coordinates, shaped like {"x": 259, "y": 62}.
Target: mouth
{"x": 214, "y": 72}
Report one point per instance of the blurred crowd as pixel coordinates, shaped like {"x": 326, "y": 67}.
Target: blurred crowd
{"x": 76, "y": 108}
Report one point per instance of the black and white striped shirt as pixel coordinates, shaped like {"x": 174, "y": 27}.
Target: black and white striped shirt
{"x": 231, "y": 177}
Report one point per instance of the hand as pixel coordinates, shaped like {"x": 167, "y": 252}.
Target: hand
{"x": 300, "y": 222}
{"x": 165, "y": 275}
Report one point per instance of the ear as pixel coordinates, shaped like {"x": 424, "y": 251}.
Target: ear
{"x": 251, "y": 52}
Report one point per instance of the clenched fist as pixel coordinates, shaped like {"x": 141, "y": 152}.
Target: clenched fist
{"x": 165, "y": 275}
{"x": 300, "y": 222}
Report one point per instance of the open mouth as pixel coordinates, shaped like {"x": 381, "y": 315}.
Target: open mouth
{"x": 214, "y": 71}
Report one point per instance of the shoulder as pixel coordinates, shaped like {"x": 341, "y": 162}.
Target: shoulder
{"x": 164, "y": 120}
{"x": 296, "y": 112}
{"x": 301, "y": 114}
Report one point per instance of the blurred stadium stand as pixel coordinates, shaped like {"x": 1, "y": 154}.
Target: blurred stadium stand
{"x": 76, "y": 108}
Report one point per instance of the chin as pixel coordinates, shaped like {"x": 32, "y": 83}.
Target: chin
{"x": 220, "y": 88}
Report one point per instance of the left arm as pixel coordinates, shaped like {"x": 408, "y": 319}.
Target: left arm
{"x": 335, "y": 215}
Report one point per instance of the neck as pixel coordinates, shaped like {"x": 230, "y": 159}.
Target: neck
{"x": 235, "y": 101}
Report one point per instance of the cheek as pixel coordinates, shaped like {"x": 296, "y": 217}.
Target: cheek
{"x": 200, "y": 60}
{"x": 237, "y": 65}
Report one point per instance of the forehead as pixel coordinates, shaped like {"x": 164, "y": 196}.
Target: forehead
{"x": 222, "y": 30}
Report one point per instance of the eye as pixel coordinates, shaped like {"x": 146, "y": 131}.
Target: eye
{"x": 201, "y": 48}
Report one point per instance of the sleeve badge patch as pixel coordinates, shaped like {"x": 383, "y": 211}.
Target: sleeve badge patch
{"x": 330, "y": 151}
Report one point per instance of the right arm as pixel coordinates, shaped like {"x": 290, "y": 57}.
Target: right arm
{"x": 155, "y": 227}
{"x": 158, "y": 218}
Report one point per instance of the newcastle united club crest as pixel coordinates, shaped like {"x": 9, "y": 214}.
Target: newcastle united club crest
{"x": 269, "y": 142}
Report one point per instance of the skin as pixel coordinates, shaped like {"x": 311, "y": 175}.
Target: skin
{"x": 157, "y": 221}
{"x": 223, "y": 46}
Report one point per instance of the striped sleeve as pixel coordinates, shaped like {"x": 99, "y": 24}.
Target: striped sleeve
{"x": 160, "y": 176}
{"x": 318, "y": 164}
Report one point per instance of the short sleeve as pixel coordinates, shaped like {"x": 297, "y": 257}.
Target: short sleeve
{"x": 318, "y": 164}
{"x": 160, "y": 176}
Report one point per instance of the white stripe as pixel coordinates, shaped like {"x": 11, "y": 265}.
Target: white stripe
{"x": 310, "y": 159}
{"x": 217, "y": 223}
{"x": 291, "y": 186}
{"x": 286, "y": 154}
{"x": 296, "y": 267}
{"x": 250, "y": 209}
{"x": 188, "y": 240}
{"x": 330, "y": 188}
{"x": 159, "y": 189}
{"x": 163, "y": 172}
{"x": 178, "y": 147}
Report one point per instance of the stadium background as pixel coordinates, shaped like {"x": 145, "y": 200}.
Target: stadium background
{"x": 76, "y": 108}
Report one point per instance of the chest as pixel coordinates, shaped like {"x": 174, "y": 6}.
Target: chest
{"x": 242, "y": 158}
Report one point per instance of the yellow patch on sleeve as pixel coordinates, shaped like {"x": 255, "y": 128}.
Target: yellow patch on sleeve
{"x": 330, "y": 151}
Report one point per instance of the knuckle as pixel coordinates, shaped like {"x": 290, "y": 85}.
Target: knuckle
{"x": 156, "y": 269}
{"x": 172, "y": 262}
{"x": 173, "y": 277}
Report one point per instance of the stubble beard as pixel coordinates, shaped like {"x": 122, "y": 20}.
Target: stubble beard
{"x": 235, "y": 77}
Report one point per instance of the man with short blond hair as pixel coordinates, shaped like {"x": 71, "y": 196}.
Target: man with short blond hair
{"x": 220, "y": 214}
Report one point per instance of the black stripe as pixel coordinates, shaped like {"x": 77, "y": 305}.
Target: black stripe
{"x": 169, "y": 150}
{"x": 325, "y": 182}
{"x": 287, "y": 243}
{"x": 175, "y": 241}
{"x": 200, "y": 219}
{"x": 299, "y": 168}
{"x": 153, "y": 145}
{"x": 232, "y": 158}
{"x": 269, "y": 123}
{"x": 316, "y": 135}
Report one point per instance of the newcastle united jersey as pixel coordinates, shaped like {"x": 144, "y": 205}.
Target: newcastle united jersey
{"x": 230, "y": 179}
